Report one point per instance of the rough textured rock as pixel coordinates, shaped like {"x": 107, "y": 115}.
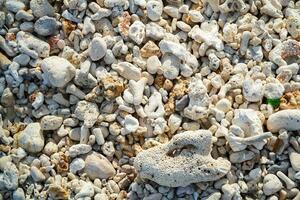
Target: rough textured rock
{"x": 87, "y": 112}
{"x": 58, "y": 71}
{"x": 50, "y": 122}
{"x": 272, "y": 184}
{"x": 284, "y": 119}
{"x": 184, "y": 160}
{"x": 97, "y": 166}
{"x": 31, "y": 138}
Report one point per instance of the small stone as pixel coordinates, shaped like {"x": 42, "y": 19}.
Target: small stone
{"x": 154, "y": 10}
{"x": 253, "y": 90}
{"x": 97, "y": 49}
{"x": 241, "y": 156}
{"x": 36, "y": 174}
{"x": 150, "y": 49}
{"x": 87, "y": 112}
{"x": 51, "y": 122}
{"x": 46, "y": 26}
{"x": 155, "y": 196}
{"x": 31, "y": 138}
{"x": 272, "y": 184}
{"x": 58, "y": 71}
{"x": 50, "y": 148}
{"x": 131, "y": 124}
{"x": 136, "y": 32}
{"x": 97, "y": 166}
{"x": 9, "y": 174}
{"x": 101, "y": 196}
{"x": 273, "y": 90}
{"x": 14, "y": 6}
{"x": 154, "y": 31}
{"x": 79, "y": 149}
{"x": 18, "y": 194}
{"x": 153, "y": 64}
{"x": 295, "y": 160}
{"x": 76, "y": 165}
{"x": 223, "y": 105}
{"x": 86, "y": 191}
{"x": 41, "y": 8}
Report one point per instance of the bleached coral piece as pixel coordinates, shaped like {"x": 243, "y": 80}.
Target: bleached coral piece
{"x": 32, "y": 46}
{"x": 155, "y": 106}
{"x": 272, "y": 8}
{"x": 128, "y": 70}
{"x": 207, "y": 33}
{"x": 134, "y": 93}
{"x": 246, "y": 130}
{"x": 184, "y": 160}
{"x": 199, "y": 100}
{"x": 284, "y": 119}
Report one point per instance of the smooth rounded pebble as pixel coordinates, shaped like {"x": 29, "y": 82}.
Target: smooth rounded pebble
{"x": 97, "y": 166}
{"x": 41, "y": 8}
{"x": 97, "y": 49}
{"x": 58, "y": 71}
{"x": 284, "y": 119}
{"x": 45, "y": 26}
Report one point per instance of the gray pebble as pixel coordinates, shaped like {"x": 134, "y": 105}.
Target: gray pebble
{"x": 97, "y": 49}
{"x": 41, "y": 8}
{"x": 18, "y": 194}
{"x": 45, "y": 26}
{"x": 14, "y": 6}
{"x": 22, "y": 59}
{"x": 154, "y": 10}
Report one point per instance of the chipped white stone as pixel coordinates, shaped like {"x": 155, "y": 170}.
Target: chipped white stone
{"x": 57, "y": 71}
{"x": 31, "y": 138}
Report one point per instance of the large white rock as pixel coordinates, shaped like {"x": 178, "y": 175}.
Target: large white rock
{"x": 284, "y": 119}
{"x": 57, "y": 71}
{"x": 31, "y": 138}
{"x": 272, "y": 184}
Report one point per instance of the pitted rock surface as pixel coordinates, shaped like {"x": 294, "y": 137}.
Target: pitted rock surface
{"x": 184, "y": 160}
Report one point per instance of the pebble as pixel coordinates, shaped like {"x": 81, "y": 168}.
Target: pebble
{"x": 58, "y": 71}
{"x": 76, "y": 165}
{"x": 31, "y": 138}
{"x": 295, "y": 160}
{"x": 97, "y": 49}
{"x": 46, "y": 26}
{"x": 272, "y": 184}
{"x": 51, "y": 122}
{"x": 137, "y": 32}
{"x": 79, "y": 149}
{"x": 41, "y": 8}
{"x": 154, "y": 10}
{"x": 97, "y": 166}
{"x": 18, "y": 194}
{"x": 36, "y": 174}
